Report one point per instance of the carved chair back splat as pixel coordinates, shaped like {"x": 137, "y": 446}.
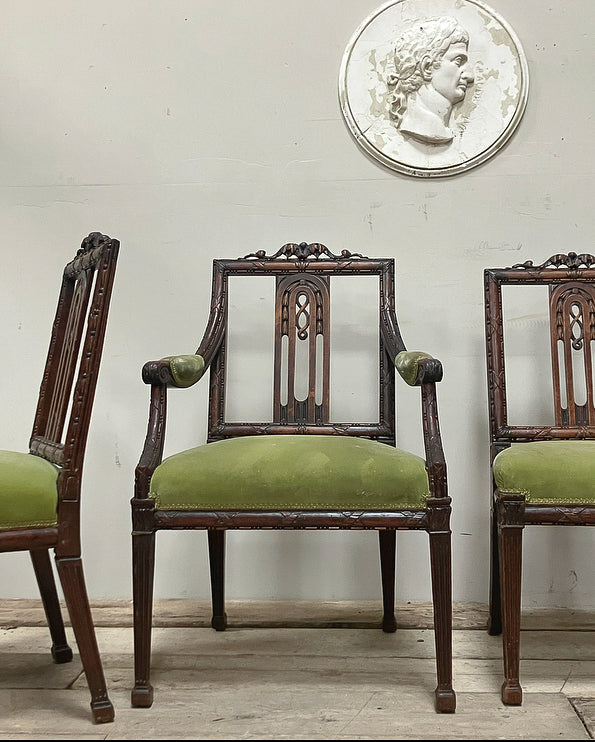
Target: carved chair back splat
{"x": 267, "y": 476}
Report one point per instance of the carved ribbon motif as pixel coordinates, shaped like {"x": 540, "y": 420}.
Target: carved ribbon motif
{"x": 303, "y": 251}
{"x": 572, "y": 260}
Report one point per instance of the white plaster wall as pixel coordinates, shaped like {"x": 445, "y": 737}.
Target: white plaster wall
{"x": 197, "y": 129}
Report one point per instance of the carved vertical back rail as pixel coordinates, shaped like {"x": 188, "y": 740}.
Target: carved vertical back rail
{"x": 75, "y": 301}
{"x": 495, "y": 355}
{"x": 68, "y": 384}
{"x": 572, "y": 325}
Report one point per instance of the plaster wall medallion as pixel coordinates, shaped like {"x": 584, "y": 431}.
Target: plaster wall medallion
{"x": 432, "y": 88}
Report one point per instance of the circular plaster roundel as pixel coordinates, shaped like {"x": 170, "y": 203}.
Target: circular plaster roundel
{"x": 433, "y": 87}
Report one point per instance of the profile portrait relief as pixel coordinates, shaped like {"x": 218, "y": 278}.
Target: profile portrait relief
{"x": 433, "y": 87}
{"x": 429, "y": 73}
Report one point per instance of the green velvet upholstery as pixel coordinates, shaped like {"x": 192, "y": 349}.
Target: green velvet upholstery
{"x": 407, "y": 363}
{"x": 28, "y": 494}
{"x": 548, "y": 472}
{"x": 186, "y": 369}
{"x": 303, "y": 472}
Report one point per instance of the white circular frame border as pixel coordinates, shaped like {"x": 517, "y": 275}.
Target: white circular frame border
{"x": 488, "y": 152}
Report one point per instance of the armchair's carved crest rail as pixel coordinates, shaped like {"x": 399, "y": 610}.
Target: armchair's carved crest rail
{"x": 303, "y": 251}
{"x": 560, "y": 260}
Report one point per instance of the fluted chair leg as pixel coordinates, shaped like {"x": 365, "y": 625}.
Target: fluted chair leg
{"x": 217, "y": 566}
{"x": 511, "y": 551}
{"x": 72, "y": 578}
{"x": 440, "y": 560}
{"x": 495, "y": 607}
{"x": 388, "y": 540}
{"x": 61, "y": 652}
{"x": 143, "y": 568}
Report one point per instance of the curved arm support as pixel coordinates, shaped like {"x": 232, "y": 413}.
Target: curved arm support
{"x": 185, "y": 370}
{"x": 391, "y": 337}
{"x": 416, "y": 367}
{"x": 435, "y": 461}
{"x": 154, "y": 441}
{"x": 421, "y": 369}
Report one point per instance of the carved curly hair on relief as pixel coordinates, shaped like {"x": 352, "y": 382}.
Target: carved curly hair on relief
{"x": 431, "y": 38}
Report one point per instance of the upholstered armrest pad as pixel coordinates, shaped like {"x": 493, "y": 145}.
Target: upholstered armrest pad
{"x": 416, "y": 367}
{"x": 181, "y": 371}
{"x": 186, "y": 370}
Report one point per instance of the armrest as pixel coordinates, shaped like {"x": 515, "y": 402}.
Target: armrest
{"x": 179, "y": 371}
{"x": 417, "y": 367}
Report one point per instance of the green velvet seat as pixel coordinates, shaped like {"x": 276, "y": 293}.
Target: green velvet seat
{"x": 288, "y": 472}
{"x": 28, "y": 494}
{"x": 548, "y": 472}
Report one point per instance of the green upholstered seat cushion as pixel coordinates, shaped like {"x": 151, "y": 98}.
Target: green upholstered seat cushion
{"x": 286, "y": 472}
{"x": 28, "y": 494}
{"x": 548, "y": 472}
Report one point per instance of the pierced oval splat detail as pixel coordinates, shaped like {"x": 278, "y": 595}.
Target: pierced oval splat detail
{"x": 301, "y": 381}
{"x": 572, "y": 316}
{"x": 302, "y": 317}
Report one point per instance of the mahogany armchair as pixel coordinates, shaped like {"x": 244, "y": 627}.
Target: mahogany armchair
{"x": 302, "y": 468}
{"x": 40, "y": 491}
{"x": 542, "y": 474}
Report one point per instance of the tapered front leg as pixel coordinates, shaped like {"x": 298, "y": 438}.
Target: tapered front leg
{"x": 442, "y": 597}
{"x": 44, "y": 575}
{"x": 441, "y": 569}
{"x": 72, "y": 578}
{"x": 217, "y": 567}
{"x": 143, "y": 568}
{"x": 388, "y": 540}
{"x": 495, "y": 607}
{"x": 511, "y": 515}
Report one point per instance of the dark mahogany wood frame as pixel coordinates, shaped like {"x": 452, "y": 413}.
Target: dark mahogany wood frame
{"x": 59, "y": 435}
{"x": 303, "y": 274}
{"x": 571, "y": 282}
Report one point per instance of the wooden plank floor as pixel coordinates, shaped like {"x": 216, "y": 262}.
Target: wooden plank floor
{"x": 299, "y": 670}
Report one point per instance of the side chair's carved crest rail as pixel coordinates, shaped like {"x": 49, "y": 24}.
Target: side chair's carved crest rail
{"x": 560, "y": 260}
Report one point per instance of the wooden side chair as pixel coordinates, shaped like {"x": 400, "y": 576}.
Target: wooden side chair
{"x": 40, "y": 491}
{"x": 541, "y": 474}
{"x": 300, "y": 469}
